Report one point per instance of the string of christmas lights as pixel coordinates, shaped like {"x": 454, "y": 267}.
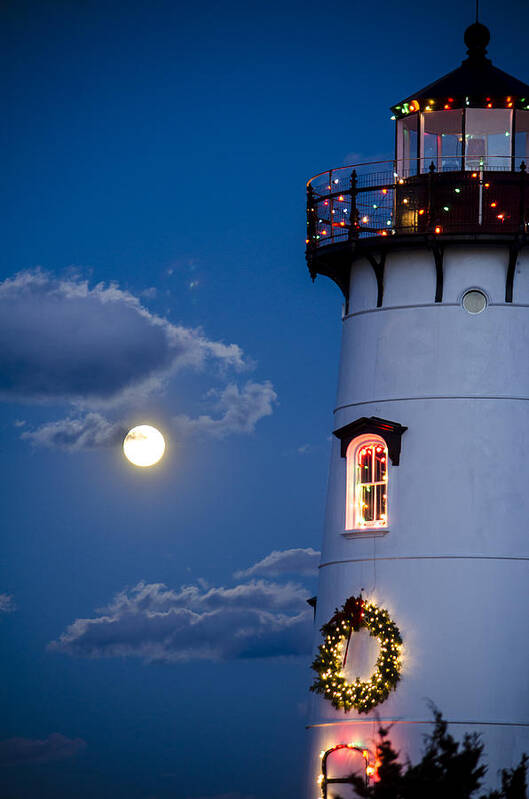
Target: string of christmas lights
{"x": 371, "y": 765}
{"x": 449, "y": 103}
{"x": 460, "y": 200}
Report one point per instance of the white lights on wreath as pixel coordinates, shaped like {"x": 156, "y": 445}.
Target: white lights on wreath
{"x": 362, "y": 695}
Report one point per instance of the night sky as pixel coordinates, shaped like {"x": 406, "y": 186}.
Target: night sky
{"x": 155, "y": 634}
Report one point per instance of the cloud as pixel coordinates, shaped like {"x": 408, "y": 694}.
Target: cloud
{"x": 21, "y": 751}
{"x": 239, "y": 412}
{"x": 88, "y": 432}
{"x": 305, "y": 449}
{"x": 286, "y": 561}
{"x": 63, "y": 340}
{"x": 255, "y": 620}
{"x": 7, "y": 604}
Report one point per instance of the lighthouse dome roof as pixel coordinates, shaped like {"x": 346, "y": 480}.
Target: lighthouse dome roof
{"x": 475, "y": 82}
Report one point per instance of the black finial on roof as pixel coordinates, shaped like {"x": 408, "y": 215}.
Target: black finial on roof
{"x": 477, "y": 37}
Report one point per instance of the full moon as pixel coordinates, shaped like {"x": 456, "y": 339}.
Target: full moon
{"x": 144, "y": 445}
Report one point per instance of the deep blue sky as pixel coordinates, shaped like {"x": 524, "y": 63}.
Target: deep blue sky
{"x": 163, "y": 148}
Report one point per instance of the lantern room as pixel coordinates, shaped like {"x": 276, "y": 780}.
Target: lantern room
{"x": 460, "y": 172}
{"x": 476, "y": 117}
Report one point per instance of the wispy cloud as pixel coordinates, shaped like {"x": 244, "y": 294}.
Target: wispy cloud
{"x": 285, "y": 561}
{"x": 23, "y": 751}
{"x": 305, "y": 449}
{"x": 7, "y": 603}
{"x": 238, "y": 411}
{"x": 258, "y": 619}
{"x": 71, "y": 434}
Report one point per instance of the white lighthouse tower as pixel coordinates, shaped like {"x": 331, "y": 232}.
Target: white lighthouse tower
{"x": 426, "y": 546}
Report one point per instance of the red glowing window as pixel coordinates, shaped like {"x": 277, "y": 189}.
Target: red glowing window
{"x": 367, "y": 483}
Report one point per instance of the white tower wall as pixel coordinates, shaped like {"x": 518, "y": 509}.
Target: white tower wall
{"x": 453, "y": 568}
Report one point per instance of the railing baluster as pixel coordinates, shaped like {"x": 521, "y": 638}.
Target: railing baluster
{"x": 480, "y": 200}
{"x": 523, "y": 185}
{"x": 354, "y": 218}
{"x": 331, "y": 206}
{"x": 431, "y": 171}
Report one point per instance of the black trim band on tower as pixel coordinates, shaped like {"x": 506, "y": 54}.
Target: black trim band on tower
{"x": 335, "y": 260}
{"x": 391, "y": 432}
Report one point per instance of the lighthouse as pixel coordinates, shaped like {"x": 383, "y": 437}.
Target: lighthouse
{"x": 423, "y": 591}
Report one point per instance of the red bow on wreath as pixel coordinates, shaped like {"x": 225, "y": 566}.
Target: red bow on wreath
{"x": 354, "y": 611}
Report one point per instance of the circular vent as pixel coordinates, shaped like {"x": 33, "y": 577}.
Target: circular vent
{"x": 474, "y": 301}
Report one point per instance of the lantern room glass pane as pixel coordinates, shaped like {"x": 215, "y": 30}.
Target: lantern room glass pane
{"x": 407, "y": 141}
{"x": 488, "y": 141}
{"x": 521, "y": 139}
{"x": 442, "y": 140}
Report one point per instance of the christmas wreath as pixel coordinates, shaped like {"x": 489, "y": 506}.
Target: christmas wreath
{"x": 355, "y": 614}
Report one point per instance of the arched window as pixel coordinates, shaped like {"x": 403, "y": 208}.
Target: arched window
{"x": 367, "y": 483}
{"x": 367, "y": 444}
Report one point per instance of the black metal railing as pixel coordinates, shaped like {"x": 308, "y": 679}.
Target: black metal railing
{"x": 396, "y": 198}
